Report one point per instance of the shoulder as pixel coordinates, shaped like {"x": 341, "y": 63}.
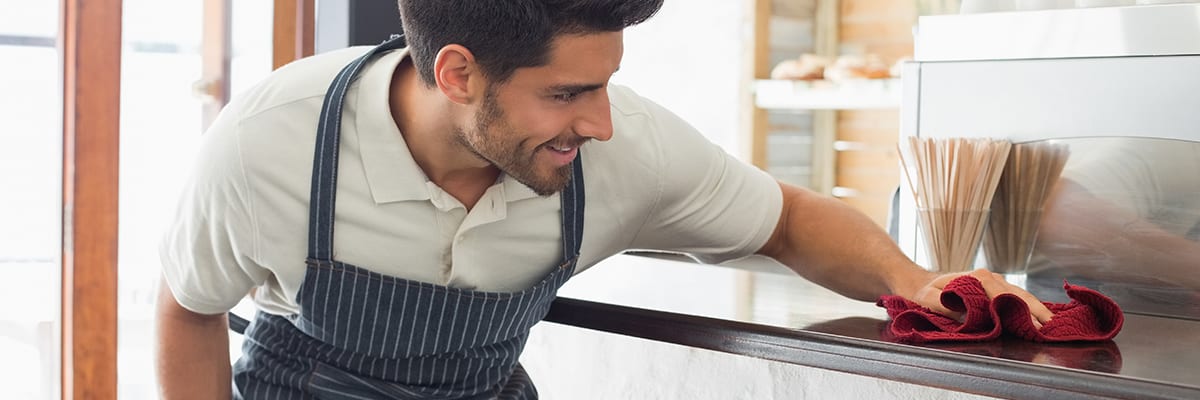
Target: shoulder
{"x": 303, "y": 79}
{"x": 649, "y": 131}
{"x": 270, "y": 125}
{"x": 276, "y": 119}
{"x": 626, "y": 103}
{"x": 635, "y": 145}
{"x": 642, "y": 127}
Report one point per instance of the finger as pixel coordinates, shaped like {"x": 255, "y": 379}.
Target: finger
{"x": 1041, "y": 314}
{"x": 995, "y": 285}
{"x": 931, "y": 297}
{"x": 1037, "y": 310}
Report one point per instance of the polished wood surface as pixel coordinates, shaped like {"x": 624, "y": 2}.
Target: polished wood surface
{"x": 756, "y": 63}
{"x": 91, "y": 48}
{"x": 215, "y": 58}
{"x": 294, "y": 30}
{"x": 791, "y": 320}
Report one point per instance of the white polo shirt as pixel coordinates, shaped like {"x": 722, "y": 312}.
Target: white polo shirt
{"x": 243, "y": 217}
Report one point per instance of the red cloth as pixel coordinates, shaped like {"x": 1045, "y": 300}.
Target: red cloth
{"x": 1090, "y": 316}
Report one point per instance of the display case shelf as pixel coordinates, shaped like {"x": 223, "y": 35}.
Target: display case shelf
{"x": 859, "y": 94}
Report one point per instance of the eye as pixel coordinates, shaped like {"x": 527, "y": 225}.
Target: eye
{"x": 566, "y": 97}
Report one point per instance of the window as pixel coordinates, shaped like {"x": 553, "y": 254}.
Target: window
{"x": 161, "y": 125}
{"x": 30, "y": 215}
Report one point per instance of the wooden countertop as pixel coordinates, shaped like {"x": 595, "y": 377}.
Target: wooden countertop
{"x": 759, "y": 309}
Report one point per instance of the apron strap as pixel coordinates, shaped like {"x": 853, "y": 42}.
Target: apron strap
{"x": 572, "y": 210}
{"x": 325, "y": 157}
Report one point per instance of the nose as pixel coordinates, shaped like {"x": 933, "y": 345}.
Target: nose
{"x": 595, "y": 120}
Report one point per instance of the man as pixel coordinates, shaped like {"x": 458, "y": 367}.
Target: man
{"x": 477, "y": 169}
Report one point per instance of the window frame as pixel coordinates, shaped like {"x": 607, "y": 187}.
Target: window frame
{"x": 90, "y": 44}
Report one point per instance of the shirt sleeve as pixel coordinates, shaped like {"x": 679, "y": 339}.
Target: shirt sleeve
{"x": 207, "y": 252}
{"x": 710, "y": 205}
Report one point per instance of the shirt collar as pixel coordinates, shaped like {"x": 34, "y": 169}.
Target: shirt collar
{"x": 392, "y": 174}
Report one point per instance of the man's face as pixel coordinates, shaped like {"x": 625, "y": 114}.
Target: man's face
{"x": 531, "y": 126}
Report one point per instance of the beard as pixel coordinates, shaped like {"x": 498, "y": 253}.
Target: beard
{"x": 495, "y": 140}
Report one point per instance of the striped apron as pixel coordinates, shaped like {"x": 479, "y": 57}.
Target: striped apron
{"x": 364, "y": 335}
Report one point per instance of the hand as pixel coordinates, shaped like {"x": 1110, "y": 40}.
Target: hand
{"x": 993, "y": 283}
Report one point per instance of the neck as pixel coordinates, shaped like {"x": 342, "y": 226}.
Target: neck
{"x": 426, "y": 120}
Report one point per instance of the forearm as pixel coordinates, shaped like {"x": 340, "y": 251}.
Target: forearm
{"x": 192, "y": 351}
{"x": 834, "y": 245}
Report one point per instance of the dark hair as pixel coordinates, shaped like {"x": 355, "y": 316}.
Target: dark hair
{"x": 505, "y": 35}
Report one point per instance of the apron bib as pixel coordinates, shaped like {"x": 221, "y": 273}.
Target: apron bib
{"x": 365, "y": 335}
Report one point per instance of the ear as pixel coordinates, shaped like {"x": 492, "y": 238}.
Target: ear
{"x": 456, "y": 74}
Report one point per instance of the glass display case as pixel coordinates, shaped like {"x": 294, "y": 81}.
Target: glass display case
{"x": 1118, "y": 87}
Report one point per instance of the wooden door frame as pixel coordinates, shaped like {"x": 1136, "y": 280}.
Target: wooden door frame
{"x": 294, "y": 31}
{"x": 90, "y": 41}
{"x": 91, "y": 54}
{"x": 216, "y": 55}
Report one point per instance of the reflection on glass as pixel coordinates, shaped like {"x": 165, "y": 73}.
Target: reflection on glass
{"x": 1029, "y": 175}
{"x": 1125, "y": 219}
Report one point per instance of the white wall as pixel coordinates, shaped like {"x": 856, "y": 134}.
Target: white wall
{"x": 332, "y": 25}
{"x": 688, "y": 58}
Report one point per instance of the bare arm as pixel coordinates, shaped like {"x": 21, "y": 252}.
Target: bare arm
{"x": 193, "y": 352}
{"x": 835, "y": 246}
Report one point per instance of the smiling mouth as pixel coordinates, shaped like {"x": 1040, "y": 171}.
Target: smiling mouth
{"x": 566, "y": 145}
{"x": 563, "y": 154}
